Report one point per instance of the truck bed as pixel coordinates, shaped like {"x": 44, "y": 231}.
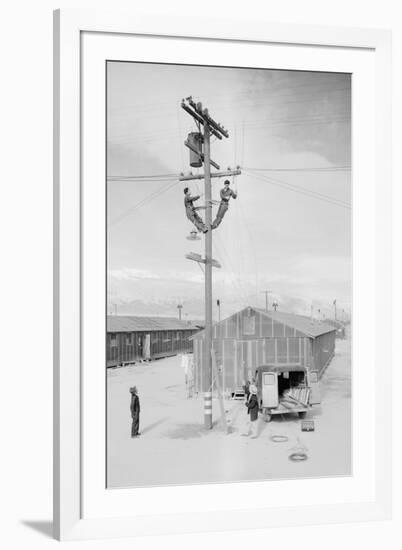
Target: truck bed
{"x": 281, "y": 409}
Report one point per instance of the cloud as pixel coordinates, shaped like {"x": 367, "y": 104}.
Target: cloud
{"x": 130, "y": 273}
{"x": 272, "y": 237}
{"x": 312, "y": 270}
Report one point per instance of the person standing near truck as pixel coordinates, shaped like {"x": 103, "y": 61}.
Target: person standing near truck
{"x": 246, "y": 388}
{"x": 252, "y": 410}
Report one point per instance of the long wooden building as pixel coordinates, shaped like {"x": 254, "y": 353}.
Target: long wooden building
{"x": 253, "y": 337}
{"x": 130, "y": 338}
{"x": 340, "y": 327}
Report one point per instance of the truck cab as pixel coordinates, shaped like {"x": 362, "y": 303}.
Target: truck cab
{"x": 287, "y": 388}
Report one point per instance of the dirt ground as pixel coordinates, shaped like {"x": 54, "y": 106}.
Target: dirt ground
{"x": 174, "y": 448}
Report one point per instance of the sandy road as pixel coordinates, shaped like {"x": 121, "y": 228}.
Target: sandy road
{"x": 174, "y": 449}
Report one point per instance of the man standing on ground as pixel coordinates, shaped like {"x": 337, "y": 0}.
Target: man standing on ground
{"x": 252, "y": 410}
{"x": 135, "y": 412}
{"x": 246, "y": 388}
{"x": 226, "y": 193}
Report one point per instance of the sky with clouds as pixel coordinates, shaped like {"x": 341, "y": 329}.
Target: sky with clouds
{"x": 290, "y": 228}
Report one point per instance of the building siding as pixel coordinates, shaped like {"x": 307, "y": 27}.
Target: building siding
{"x": 129, "y": 347}
{"x": 249, "y": 339}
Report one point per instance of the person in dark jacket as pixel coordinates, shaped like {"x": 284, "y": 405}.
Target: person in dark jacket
{"x": 226, "y": 193}
{"x": 252, "y": 410}
{"x": 191, "y": 212}
{"x": 135, "y": 412}
{"x": 246, "y": 388}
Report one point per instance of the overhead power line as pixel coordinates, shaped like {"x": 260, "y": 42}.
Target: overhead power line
{"x": 300, "y": 190}
{"x": 143, "y": 202}
{"x": 303, "y": 169}
{"x": 256, "y": 125}
{"x": 263, "y": 125}
{"x": 280, "y": 96}
{"x": 140, "y": 181}
{"x": 144, "y": 177}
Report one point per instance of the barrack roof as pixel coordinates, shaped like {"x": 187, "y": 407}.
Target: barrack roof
{"x": 309, "y": 327}
{"x": 130, "y": 323}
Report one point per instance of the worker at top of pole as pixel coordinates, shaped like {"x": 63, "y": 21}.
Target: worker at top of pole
{"x": 225, "y": 193}
{"x": 191, "y": 212}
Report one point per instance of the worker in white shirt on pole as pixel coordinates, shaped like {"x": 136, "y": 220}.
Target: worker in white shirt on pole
{"x": 226, "y": 193}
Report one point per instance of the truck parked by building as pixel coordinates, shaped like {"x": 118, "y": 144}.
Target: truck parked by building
{"x": 285, "y": 389}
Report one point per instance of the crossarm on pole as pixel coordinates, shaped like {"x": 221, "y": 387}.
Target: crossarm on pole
{"x": 226, "y": 173}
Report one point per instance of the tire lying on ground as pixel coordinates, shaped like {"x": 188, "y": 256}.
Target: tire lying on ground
{"x": 299, "y": 456}
{"x": 277, "y": 438}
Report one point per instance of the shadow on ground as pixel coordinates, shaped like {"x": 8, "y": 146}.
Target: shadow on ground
{"x": 43, "y": 527}
{"x": 188, "y": 431}
{"x": 150, "y": 427}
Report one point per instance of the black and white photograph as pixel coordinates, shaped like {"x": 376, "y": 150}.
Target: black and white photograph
{"x": 229, "y": 274}
{"x": 201, "y": 218}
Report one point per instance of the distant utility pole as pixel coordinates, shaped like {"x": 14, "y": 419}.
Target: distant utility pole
{"x": 218, "y": 303}
{"x": 334, "y": 304}
{"x": 180, "y": 307}
{"x": 201, "y": 148}
{"x": 266, "y": 292}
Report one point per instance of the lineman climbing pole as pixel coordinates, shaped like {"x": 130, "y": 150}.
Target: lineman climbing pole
{"x": 201, "y": 149}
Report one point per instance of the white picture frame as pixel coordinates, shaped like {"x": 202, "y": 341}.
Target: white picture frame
{"x": 77, "y": 491}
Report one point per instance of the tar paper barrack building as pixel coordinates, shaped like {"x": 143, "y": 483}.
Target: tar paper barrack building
{"x": 131, "y": 338}
{"x": 253, "y": 337}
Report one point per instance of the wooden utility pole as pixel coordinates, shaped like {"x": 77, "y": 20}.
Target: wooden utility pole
{"x": 208, "y": 282}
{"x": 209, "y": 126}
{"x": 219, "y": 390}
{"x": 266, "y": 292}
{"x": 335, "y": 315}
{"x": 180, "y": 307}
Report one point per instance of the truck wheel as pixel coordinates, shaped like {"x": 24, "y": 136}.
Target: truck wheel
{"x": 267, "y": 417}
{"x": 302, "y": 414}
